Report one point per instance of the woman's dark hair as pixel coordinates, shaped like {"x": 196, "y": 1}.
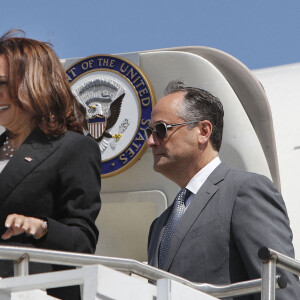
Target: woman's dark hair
{"x": 37, "y": 82}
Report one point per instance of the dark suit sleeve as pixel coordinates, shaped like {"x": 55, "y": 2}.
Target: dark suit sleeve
{"x": 260, "y": 219}
{"x": 78, "y": 203}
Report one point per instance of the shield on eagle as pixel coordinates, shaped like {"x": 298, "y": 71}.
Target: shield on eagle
{"x": 97, "y": 126}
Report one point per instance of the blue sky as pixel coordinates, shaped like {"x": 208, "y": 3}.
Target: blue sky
{"x": 260, "y": 33}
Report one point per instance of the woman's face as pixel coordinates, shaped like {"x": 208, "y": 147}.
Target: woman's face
{"x": 12, "y": 117}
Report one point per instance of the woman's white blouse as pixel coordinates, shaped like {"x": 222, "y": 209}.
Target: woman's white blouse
{"x": 3, "y": 164}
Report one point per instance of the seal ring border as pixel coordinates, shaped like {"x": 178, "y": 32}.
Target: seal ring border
{"x": 153, "y": 102}
{"x": 139, "y": 104}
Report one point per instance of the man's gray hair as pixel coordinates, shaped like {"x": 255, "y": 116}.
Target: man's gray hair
{"x": 199, "y": 105}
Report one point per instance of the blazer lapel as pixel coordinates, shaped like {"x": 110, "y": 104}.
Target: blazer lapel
{"x": 35, "y": 149}
{"x": 2, "y": 138}
{"x": 203, "y": 196}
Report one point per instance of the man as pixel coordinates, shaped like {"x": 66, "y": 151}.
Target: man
{"x": 221, "y": 218}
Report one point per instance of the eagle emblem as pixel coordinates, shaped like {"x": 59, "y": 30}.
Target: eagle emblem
{"x": 118, "y": 98}
{"x": 98, "y": 123}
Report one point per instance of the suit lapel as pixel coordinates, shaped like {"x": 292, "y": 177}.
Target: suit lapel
{"x": 205, "y": 193}
{"x": 35, "y": 149}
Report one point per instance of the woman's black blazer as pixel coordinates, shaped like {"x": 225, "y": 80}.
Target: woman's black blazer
{"x": 57, "y": 179}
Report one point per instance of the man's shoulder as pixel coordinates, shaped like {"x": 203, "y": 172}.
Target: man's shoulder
{"x": 233, "y": 177}
{"x": 239, "y": 174}
{"x": 246, "y": 175}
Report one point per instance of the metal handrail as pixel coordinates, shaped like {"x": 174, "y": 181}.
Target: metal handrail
{"x": 282, "y": 261}
{"x": 21, "y": 256}
{"x": 270, "y": 260}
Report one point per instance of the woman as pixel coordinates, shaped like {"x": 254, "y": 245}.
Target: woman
{"x": 49, "y": 171}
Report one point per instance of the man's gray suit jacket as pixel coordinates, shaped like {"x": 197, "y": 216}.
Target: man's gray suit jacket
{"x": 217, "y": 240}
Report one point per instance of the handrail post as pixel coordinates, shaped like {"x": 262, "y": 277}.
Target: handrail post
{"x": 268, "y": 279}
{"x": 21, "y": 265}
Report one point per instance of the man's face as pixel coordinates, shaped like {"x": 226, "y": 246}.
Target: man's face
{"x": 179, "y": 150}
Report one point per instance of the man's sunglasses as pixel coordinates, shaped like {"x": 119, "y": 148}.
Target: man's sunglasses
{"x": 161, "y": 129}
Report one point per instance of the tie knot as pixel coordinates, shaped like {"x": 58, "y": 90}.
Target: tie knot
{"x": 182, "y": 195}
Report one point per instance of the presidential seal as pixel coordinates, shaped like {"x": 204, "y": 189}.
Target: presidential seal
{"x": 118, "y": 98}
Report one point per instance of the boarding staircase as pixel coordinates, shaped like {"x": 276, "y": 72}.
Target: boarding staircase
{"x": 109, "y": 278}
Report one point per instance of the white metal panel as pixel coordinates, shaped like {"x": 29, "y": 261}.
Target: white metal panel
{"x": 282, "y": 86}
{"x": 31, "y": 295}
{"x": 171, "y": 290}
{"x": 124, "y": 222}
{"x": 241, "y": 148}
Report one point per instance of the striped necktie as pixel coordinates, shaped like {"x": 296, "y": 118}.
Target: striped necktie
{"x": 176, "y": 214}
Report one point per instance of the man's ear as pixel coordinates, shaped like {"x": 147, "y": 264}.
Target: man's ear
{"x": 205, "y": 128}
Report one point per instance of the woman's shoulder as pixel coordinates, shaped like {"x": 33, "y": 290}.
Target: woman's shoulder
{"x": 74, "y": 138}
{"x": 73, "y": 135}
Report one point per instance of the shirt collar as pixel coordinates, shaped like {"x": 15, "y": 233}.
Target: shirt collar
{"x": 196, "y": 182}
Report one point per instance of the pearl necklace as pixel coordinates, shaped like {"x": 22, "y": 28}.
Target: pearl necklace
{"x": 8, "y": 149}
